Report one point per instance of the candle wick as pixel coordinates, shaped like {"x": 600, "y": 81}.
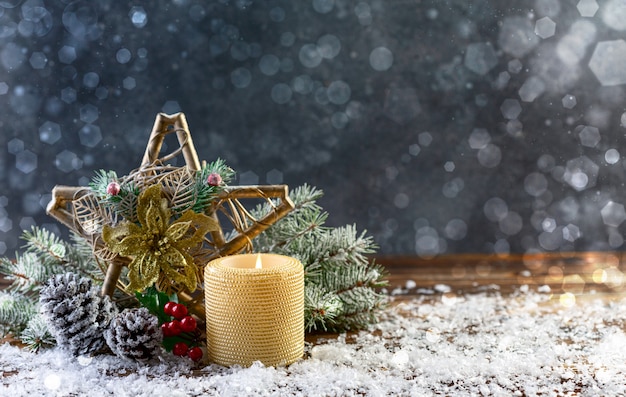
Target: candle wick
{"x": 259, "y": 263}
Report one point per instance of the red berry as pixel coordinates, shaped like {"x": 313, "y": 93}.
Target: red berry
{"x": 173, "y": 328}
{"x": 165, "y": 329}
{"x": 167, "y": 309}
{"x": 188, "y": 324}
{"x": 180, "y": 349}
{"x": 179, "y": 311}
{"x": 195, "y": 353}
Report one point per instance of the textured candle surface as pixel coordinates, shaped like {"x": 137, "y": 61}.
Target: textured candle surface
{"x": 254, "y": 314}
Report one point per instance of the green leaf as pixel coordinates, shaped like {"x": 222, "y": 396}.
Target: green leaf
{"x": 155, "y": 301}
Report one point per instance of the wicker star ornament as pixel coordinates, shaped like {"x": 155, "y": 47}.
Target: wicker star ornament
{"x": 224, "y": 226}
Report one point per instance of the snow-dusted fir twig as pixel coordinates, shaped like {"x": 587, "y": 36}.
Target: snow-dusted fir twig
{"x": 44, "y": 256}
{"x": 341, "y": 284}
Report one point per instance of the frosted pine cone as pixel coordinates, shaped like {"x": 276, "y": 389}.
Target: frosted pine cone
{"x": 135, "y": 334}
{"x": 75, "y": 313}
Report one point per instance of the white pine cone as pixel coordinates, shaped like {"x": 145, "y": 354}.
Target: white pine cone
{"x": 135, "y": 334}
{"x": 75, "y": 313}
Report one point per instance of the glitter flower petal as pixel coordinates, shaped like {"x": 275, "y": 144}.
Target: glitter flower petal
{"x": 158, "y": 247}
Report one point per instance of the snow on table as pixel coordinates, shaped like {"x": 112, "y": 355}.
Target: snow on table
{"x": 523, "y": 344}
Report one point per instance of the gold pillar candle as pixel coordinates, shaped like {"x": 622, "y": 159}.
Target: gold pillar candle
{"x": 254, "y": 312}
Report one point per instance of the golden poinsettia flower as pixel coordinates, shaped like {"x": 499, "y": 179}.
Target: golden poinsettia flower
{"x": 158, "y": 247}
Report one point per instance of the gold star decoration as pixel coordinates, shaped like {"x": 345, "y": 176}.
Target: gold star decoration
{"x": 79, "y": 209}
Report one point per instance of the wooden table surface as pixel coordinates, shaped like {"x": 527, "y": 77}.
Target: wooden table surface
{"x": 586, "y": 274}
{"x": 578, "y": 273}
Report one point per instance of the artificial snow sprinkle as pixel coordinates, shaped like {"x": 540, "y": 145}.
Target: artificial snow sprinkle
{"x": 483, "y": 344}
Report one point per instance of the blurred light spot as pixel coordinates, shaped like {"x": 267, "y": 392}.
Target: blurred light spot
{"x": 589, "y": 136}
{"x": 479, "y": 138}
{"x": 614, "y": 277}
{"x": 302, "y": 84}
{"x": 587, "y": 8}
{"x": 67, "y": 161}
{"x": 427, "y": 242}
{"x": 567, "y": 299}
{"x": 495, "y": 209}
{"x": 616, "y": 240}
{"x": 309, "y": 56}
{"x": 614, "y": 14}
{"x": 622, "y": 120}
{"x": 480, "y": 58}
{"x": 88, "y": 113}
{"x": 611, "y": 156}
{"x": 68, "y": 95}
{"x": 38, "y": 60}
{"x": 363, "y": 13}
{"x": 551, "y": 8}
{"x": 90, "y": 135}
{"x": 545, "y": 27}
{"x": 599, "y": 276}
{"x": 449, "y": 166}
{"x": 12, "y": 56}
{"x": 606, "y": 60}
{"x": 452, "y": 188}
{"x": 581, "y": 173}
{"x": 15, "y": 145}
{"x": 532, "y": 88}
{"x": 269, "y": 64}
{"x": 248, "y": 178}
{"x": 502, "y": 247}
{"x": 80, "y": 18}
{"x": 501, "y": 82}
{"x": 613, "y": 214}
{"x": 281, "y": 93}
{"x": 4, "y": 88}
{"x": 323, "y": 6}
{"x": 511, "y": 109}
{"x": 569, "y": 101}
{"x": 401, "y": 104}
{"x": 573, "y": 283}
{"x": 328, "y": 46}
{"x": 339, "y": 120}
{"x": 548, "y": 225}
{"x": 381, "y": 59}
{"x": 67, "y": 54}
{"x": 511, "y": 224}
{"x": 171, "y": 107}
{"x": 515, "y": 66}
{"x": 241, "y": 77}
{"x": 49, "y": 132}
{"x": 52, "y": 382}
{"x": 338, "y": 92}
{"x": 571, "y": 233}
{"x": 414, "y": 149}
{"x": 401, "y": 200}
{"x": 517, "y": 36}
{"x": 425, "y": 138}
{"x": 138, "y": 16}
{"x": 489, "y": 156}
{"x": 456, "y": 229}
{"x": 535, "y": 184}
{"x": 129, "y": 83}
{"x": 91, "y": 80}
{"x": 123, "y": 55}
{"x": 26, "y": 161}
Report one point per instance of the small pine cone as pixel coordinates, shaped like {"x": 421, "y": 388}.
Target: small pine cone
{"x": 75, "y": 313}
{"x": 135, "y": 334}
